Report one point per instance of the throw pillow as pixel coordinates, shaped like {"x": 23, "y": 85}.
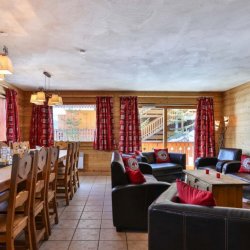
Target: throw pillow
{"x": 161, "y": 155}
{"x": 190, "y": 195}
{"x": 245, "y": 164}
{"x": 131, "y": 162}
{"x": 138, "y": 153}
{"x": 135, "y": 176}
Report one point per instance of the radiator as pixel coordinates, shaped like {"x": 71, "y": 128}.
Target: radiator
{"x": 81, "y": 160}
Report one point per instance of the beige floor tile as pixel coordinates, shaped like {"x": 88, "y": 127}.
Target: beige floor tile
{"x": 86, "y": 234}
{"x": 89, "y": 224}
{"x": 111, "y": 234}
{"x": 107, "y": 224}
{"x": 83, "y": 245}
{"x": 91, "y": 215}
{"x": 94, "y": 203}
{"x": 70, "y": 215}
{"x": 93, "y": 208}
{"x": 107, "y": 216}
{"x": 49, "y": 245}
{"x": 137, "y": 245}
{"x": 66, "y": 224}
{"x": 107, "y": 209}
{"x": 62, "y": 234}
{"x": 112, "y": 245}
{"x": 74, "y": 208}
{"x": 137, "y": 236}
{"x": 77, "y": 203}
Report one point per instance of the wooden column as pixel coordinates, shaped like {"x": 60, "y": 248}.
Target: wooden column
{"x": 165, "y": 127}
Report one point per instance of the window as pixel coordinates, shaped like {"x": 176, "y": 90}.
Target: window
{"x": 74, "y": 122}
{"x": 181, "y": 125}
{"x": 2, "y": 119}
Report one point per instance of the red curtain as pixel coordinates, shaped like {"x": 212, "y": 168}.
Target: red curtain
{"x": 41, "y": 129}
{"x": 204, "y": 129}
{"x": 104, "y": 134}
{"x": 130, "y": 130}
{"x": 12, "y": 120}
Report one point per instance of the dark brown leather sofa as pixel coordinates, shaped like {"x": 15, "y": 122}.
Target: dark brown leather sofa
{"x": 130, "y": 202}
{"x": 228, "y": 160}
{"x": 168, "y": 172}
{"x": 175, "y": 226}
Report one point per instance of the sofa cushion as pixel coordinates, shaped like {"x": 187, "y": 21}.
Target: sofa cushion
{"x": 190, "y": 195}
{"x": 161, "y": 155}
{"x": 150, "y": 178}
{"x": 130, "y": 161}
{"x": 245, "y": 164}
{"x": 150, "y": 156}
{"x": 160, "y": 169}
{"x": 135, "y": 176}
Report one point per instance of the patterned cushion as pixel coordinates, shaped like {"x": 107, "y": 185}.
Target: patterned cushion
{"x": 162, "y": 155}
{"x": 130, "y": 162}
{"x": 245, "y": 164}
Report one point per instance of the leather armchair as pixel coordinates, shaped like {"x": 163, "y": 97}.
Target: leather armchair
{"x": 173, "y": 225}
{"x": 130, "y": 202}
{"x": 226, "y": 157}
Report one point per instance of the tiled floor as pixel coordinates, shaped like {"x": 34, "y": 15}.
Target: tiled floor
{"x": 86, "y": 224}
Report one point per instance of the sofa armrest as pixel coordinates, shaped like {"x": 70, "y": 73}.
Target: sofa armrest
{"x": 178, "y": 158}
{"x": 231, "y": 167}
{"x": 205, "y": 161}
{"x": 145, "y": 168}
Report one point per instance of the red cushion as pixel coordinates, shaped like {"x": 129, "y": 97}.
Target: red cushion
{"x": 161, "y": 155}
{"x": 190, "y": 195}
{"x": 130, "y": 162}
{"x": 138, "y": 152}
{"x": 135, "y": 176}
{"x": 245, "y": 164}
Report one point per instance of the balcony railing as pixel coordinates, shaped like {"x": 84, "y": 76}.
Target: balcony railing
{"x": 74, "y": 134}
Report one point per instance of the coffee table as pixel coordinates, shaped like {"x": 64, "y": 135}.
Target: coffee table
{"x": 227, "y": 190}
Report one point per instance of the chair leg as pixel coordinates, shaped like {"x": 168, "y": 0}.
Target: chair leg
{"x": 55, "y": 210}
{"x": 28, "y": 243}
{"x": 67, "y": 193}
{"x": 45, "y": 222}
{"x": 33, "y": 233}
{"x": 77, "y": 177}
{"x": 10, "y": 244}
{"x": 48, "y": 220}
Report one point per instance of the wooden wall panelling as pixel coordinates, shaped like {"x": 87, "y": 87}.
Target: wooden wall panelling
{"x": 99, "y": 161}
{"x": 237, "y": 107}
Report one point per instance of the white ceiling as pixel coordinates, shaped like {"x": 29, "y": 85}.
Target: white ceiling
{"x": 184, "y": 45}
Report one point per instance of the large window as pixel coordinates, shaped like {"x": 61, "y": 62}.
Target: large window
{"x": 74, "y": 122}
{"x": 2, "y": 119}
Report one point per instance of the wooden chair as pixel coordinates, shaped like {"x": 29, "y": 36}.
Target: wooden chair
{"x": 38, "y": 215}
{"x": 64, "y": 177}
{"x": 12, "y": 224}
{"x": 51, "y": 208}
{"x": 76, "y": 183}
{"x": 61, "y": 144}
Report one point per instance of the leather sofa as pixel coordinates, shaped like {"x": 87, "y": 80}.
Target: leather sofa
{"x": 130, "y": 202}
{"x": 176, "y": 226}
{"x": 168, "y": 172}
{"x": 228, "y": 160}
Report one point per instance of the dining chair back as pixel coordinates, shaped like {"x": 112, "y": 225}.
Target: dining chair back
{"x": 51, "y": 203}
{"x": 20, "y": 193}
{"x": 38, "y": 216}
{"x": 64, "y": 178}
{"x": 61, "y": 144}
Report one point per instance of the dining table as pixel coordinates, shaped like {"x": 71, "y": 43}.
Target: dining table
{"x": 5, "y": 172}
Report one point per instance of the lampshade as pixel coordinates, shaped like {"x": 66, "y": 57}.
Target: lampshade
{"x": 40, "y": 96}
{"x": 226, "y": 120}
{"x": 6, "y": 67}
{"x": 55, "y": 99}
{"x": 217, "y": 125}
{"x": 1, "y": 77}
{"x": 33, "y": 99}
{"x": 50, "y": 102}
{"x": 60, "y": 101}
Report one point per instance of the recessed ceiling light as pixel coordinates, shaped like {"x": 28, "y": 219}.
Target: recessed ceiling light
{"x": 2, "y": 33}
{"x": 82, "y": 51}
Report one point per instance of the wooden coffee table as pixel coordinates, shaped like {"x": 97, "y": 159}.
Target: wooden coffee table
{"x": 227, "y": 190}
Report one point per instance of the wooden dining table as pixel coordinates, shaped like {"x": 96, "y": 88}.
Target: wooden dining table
{"x": 5, "y": 172}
